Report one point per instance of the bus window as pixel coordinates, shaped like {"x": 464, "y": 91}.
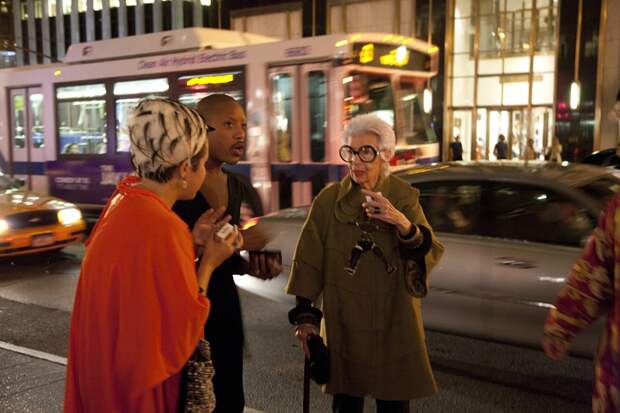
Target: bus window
{"x": 415, "y": 126}
{"x": 282, "y": 115}
{"x": 82, "y": 119}
{"x": 137, "y": 89}
{"x": 369, "y": 93}
{"x": 198, "y": 86}
{"x": 192, "y": 99}
{"x": 317, "y": 98}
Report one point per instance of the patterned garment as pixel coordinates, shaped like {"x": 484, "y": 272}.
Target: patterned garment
{"x": 163, "y": 134}
{"x": 593, "y": 290}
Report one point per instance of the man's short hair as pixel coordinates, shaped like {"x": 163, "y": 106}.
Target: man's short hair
{"x": 211, "y": 103}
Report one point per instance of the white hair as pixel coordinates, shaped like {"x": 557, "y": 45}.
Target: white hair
{"x": 373, "y": 124}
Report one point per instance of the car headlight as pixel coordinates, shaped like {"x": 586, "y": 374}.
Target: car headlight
{"x": 4, "y": 226}
{"x": 69, "y": 216}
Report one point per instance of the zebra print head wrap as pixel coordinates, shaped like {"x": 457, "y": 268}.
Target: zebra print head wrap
{"x": 163, "y": 134}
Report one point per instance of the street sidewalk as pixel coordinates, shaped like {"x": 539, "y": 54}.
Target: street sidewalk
{"x": 34, "y": 382}
{"x": 28, "y": 383}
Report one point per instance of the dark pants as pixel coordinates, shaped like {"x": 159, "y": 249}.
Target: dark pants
{"x": 228, "y": 379}
{"x": 224, "y": 332}
{"x": 350, "y": 404}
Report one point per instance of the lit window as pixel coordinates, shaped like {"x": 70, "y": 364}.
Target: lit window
{"x": 37, "y": 9}
{"x": 66, "y": 6}
{"x": 80, "y": 92}
{"x": 51, "y": 8}
{"x": 134, "y": 87}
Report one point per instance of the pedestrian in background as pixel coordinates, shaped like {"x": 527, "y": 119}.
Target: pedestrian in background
{"x": 529, "y": 153}
{"x": 364, "y": 244}
{"x": 140, "y": 307}
{"x": 593, "y": 291}
{"x": 501, "y": 148}
{"x": 456, "y": 149}
{"x": 554, "y": 152}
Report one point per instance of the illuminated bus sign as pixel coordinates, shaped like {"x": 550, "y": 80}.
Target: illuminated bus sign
{"x": 388, "y": 55}
{"x": 210, "y": 80}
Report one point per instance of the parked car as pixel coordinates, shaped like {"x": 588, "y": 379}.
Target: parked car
{"x": 31, "y": 223}
{"x": 605, "y": 157}
{"x": 512, "y": 232}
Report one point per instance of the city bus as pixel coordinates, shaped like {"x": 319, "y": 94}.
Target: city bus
{"x": 64, "y": 127}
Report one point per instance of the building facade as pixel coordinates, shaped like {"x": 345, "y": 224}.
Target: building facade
{"x": 7, "y": 49}
{"x": 507, "y": 64}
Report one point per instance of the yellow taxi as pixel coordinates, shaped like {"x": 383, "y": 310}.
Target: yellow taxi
{"x": 31, "y": 223}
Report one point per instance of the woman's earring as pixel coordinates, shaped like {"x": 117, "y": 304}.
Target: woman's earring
{"x": 184, "y": 184}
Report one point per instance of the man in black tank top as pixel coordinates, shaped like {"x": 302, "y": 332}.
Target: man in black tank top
{"x": 221, "y": 188}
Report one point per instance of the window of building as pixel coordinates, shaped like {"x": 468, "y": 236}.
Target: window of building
{"x": 66, "y": 6}
{"x": 81, "y": 112}
{"x": 51, "y": 8}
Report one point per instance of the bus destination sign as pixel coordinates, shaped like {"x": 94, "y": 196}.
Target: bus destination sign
{"x": 389, "y": 55}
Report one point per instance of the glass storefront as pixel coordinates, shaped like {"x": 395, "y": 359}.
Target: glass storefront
{"x": 502, "y": 75}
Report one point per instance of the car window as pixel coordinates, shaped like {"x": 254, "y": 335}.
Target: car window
{"x": 453, "y": 207}
{"x": 530, "y": 213}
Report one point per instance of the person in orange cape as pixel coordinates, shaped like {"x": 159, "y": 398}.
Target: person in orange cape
{"x": 140, "y": 304}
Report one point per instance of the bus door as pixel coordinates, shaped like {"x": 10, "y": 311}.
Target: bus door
{"x": 27, "y": 140}
{"x": 298, "y": 132}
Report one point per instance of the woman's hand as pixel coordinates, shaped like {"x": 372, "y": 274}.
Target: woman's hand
{"x": 379, "y": 207}
{"x": 302, "y": 332}
{"x": 208, "y": 224}
{"x": 217, "y": 250}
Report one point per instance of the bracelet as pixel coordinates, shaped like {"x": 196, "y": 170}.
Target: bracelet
{"x": 306, "y": 318}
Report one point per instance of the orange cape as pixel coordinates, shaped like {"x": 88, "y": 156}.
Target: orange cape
{"x": 137, "y": 315}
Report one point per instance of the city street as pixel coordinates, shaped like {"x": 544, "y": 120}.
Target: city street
{"x": 474, "y": 376}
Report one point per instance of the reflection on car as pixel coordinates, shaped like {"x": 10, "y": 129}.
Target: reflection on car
{"x": 511, "y": 230}
{"x": 31, "y": 223}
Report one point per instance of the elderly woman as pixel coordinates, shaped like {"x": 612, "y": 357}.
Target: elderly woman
{"x": 140, "y": 304}
{"x": 367, "y": 248}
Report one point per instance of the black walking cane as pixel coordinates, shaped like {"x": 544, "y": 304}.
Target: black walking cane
{"x": 316, "y": 367}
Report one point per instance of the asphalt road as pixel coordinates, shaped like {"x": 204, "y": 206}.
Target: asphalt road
{"x": 474, "y": 376}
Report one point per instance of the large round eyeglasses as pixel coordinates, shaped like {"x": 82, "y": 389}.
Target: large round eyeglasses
{"x": 366, "y": 153}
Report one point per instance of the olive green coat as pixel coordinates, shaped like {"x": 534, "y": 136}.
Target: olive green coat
{"x": 372, "y": 326}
